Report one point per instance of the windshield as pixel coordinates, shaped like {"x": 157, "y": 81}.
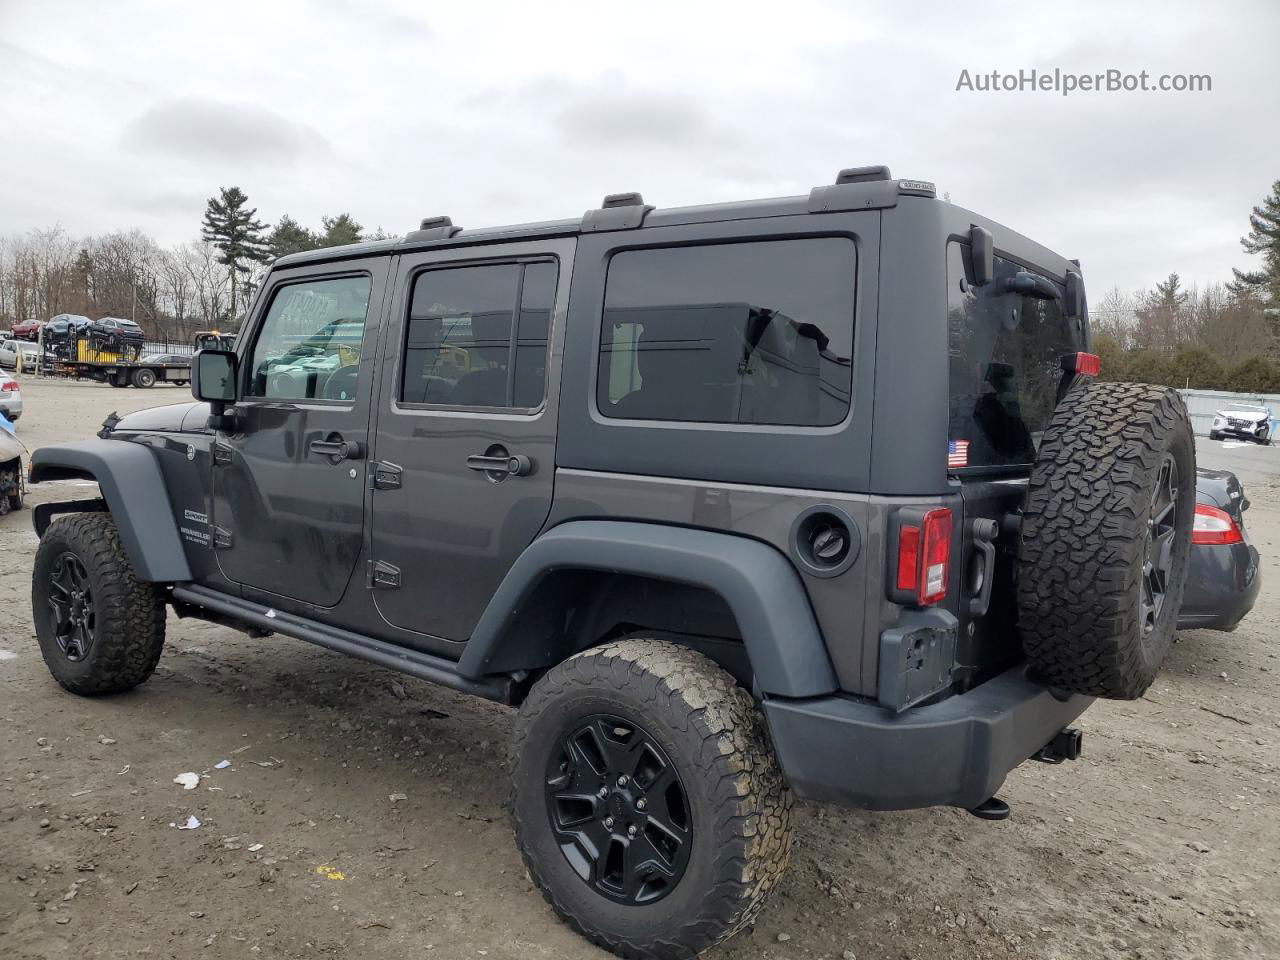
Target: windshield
{"x": 1005, "y": 356}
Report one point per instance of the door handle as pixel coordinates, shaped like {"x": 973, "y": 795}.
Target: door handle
{"x": 512, "y": 465}
{"x": 337, "y": 449}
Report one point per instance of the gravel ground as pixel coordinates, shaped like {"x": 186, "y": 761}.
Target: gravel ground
{"x": 361, "y": 813}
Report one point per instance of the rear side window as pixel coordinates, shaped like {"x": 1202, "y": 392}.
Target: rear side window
{"x": 753, "y": 332}
{"x": 1005, "y": 358}
{"x": 477, "y": 336}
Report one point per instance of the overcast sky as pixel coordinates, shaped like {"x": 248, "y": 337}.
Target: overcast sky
{"x": 119, "y": 115}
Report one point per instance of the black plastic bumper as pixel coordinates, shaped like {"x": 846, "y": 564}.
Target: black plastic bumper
{"x": 952, "y": 753}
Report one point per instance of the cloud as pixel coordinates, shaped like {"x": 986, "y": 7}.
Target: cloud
{"x": 196, "y": 128}
{"x": 639, "y": 119}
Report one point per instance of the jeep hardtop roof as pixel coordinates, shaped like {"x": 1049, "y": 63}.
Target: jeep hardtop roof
{"x": 855, "y": 188}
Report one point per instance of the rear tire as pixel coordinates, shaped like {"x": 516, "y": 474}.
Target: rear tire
{"x": 1106, "y": 533}
{"x": 144, "y": 377}
{"x": 100, "y": 628}
{"x": 683, "y": 736}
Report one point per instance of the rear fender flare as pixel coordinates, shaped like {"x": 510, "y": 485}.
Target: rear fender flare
{"x": 760, "y": 586}
{"x": 134, "y": 491}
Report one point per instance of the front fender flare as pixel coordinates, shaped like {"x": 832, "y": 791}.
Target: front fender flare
{"x": 133, "y": 487}
{"x": 788, "y": 656}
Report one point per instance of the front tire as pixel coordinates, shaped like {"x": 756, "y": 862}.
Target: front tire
{"x": 647, "y": 801}
{"x": 100, "y": 628}
{"x": 144, "y": 378}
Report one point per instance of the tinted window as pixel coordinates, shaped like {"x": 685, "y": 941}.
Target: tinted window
{"x": 758, "y": 332}
{"x": 308, "y": 347}
{"x": 536, "y": 298}
{"x": 1006, "y": 355}
{"x": 463, "y": 346}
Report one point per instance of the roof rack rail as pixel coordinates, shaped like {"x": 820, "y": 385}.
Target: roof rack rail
{"x": 620, "y": 211}
{"x": 432, "y": 228}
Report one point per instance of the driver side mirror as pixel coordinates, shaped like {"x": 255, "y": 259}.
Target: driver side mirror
{"x": 213, "y": 380}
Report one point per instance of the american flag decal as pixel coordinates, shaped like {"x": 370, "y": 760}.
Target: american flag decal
{"x": 957, "y": 453}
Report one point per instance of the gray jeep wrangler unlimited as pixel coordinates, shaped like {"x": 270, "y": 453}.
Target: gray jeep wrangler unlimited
{"x": 806, "y": 497}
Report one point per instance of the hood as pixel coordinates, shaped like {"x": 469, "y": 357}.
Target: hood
{"x": 1250, "y": 415}
{"x": 172, "y": 418}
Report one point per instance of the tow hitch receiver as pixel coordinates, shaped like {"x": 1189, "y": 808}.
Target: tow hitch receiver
{"x": 1067, "y": 744}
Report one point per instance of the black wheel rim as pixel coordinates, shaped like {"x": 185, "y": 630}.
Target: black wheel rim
{"x": 619, "y": 810}
{"x": 1157, "y": 562}
{"x": 71, "y": 607}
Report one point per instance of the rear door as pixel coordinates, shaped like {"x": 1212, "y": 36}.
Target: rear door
{"x": 1006, "y": 375}
{"x": 288, "y": 484}
{"x": 466, "y": 428}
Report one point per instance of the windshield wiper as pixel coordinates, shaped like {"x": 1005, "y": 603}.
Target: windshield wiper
{"x": 1031, "y": 285}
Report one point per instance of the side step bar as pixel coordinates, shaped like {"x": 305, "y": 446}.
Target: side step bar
{"x": 415, "y": 663}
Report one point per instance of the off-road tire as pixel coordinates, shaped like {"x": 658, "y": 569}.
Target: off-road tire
{"x": 740, "y": 806}
{"x": 1083, "y": 540}
{"x": 144, "y": 377}
{"x": 129, "y": 613}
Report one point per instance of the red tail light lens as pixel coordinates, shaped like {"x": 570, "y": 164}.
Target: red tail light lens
{"x": 9, "y": 385}
{"x": 1083, "y": 364}
{"x": 937, "y": 556}
{"x": 908, "y": 558}
{"x": 924, "y": 558}
{"x": 1214, "y": 526}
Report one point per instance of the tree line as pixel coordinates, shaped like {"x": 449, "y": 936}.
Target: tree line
{"x": 1225, "y": 336}
{"x": 171, "y": 292}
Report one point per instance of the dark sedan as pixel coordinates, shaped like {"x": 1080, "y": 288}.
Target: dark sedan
{"x": 1224, "y": 577}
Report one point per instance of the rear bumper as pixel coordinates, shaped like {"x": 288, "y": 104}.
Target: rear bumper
{"x": 1223, "y": 581}
{"x": 953, "y": 753}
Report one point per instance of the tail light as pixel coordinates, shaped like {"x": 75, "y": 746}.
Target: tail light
{"x": 924, "y": 558}
{"x": 1083, "y": 364}
{"x": 9, "y": 385}
{"x": 1214, "y": 526}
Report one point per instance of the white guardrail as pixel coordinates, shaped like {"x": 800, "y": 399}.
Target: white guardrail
{"x": 1202, "y": 404}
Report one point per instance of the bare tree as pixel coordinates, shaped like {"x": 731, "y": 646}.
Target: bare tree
{"x": 199, "y": 260}
{"x": 1113, "y": 316}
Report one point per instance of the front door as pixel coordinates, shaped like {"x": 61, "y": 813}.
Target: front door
{"x": 466, "y": 428}
{"x": 288, "y": 504}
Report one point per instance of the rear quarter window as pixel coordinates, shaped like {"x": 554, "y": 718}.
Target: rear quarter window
{"x": 757, "y": 332}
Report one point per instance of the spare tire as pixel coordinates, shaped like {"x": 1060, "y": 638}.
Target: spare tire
{"x": 1106, "y": 530}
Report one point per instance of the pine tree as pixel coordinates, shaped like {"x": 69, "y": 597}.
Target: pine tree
{"x": 1263, "y": 238}
{"x": 233, "y": 230}
{"x": 289, "y": 236}
{"x": 1162, "y": 317}
{"x": 340, "y": 230}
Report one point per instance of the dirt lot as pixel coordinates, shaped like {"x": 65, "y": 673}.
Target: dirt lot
{"x": 1161, "y": 842}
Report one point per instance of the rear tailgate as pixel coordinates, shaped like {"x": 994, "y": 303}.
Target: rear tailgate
{"x": 1006, "y": 352}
